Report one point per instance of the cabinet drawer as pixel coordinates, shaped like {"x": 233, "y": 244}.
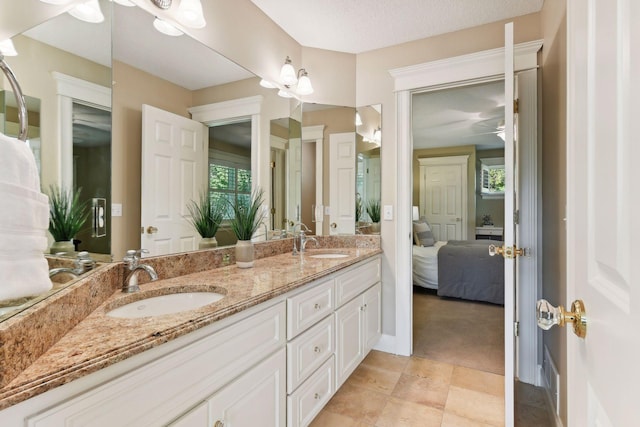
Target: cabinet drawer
{"x": 306, "y": 402}
{"x": 354, "y": 282}
{"x": 308, "y": 307}
{"x": 308, "y": 351}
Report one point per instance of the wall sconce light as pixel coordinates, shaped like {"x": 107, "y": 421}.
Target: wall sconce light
{"x": 289, "y": 78}
{"x": 377, "y": 136}
{"x": 288, "y": 73}
{"x": 189, "y": 14}
{"x": 7, "y": 48}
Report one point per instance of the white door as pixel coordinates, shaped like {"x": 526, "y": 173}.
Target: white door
{"x": 173, "y": 173}
{"x": 342, "y": 183}
{"x": 373, "y": 178}
{"x": 510, "y": 204}
{"x": 603, "y": 210}
{"x": 443, "y": 196}
{"x": 294, "y": 180}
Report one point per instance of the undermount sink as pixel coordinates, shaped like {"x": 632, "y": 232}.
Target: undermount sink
{"x": 165, "y": 304}
{"x": 328, "y": 255}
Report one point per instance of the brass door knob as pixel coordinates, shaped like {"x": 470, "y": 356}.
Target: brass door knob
{"x": 334, "y": 225}
{"x": 548, "y": 316}
{"x": 218, "y": 424}
{"x": 507, "y": 251}
{"x": 151, "y": 229}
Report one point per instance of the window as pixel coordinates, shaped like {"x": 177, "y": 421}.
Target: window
{"x": 229, "y": 179}
{"x": 492, "y": 177}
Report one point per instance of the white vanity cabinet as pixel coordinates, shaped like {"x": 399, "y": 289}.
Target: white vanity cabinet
{"x": 275, "y": 364}
{"x": 239, "y": 366}
{"x": 358, "y": 328}
{"x": 342, "y": 321}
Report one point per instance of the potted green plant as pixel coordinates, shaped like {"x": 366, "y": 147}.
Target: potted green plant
{"x": 206, "y": 217}
{"x": 67, "y": 215}
{"x": 245, "y": 221}
{"x": 358, "y": 209}
{"x": 373, "y": 210}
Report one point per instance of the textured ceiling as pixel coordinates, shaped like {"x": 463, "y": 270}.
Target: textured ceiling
{"x": 357, "y": 26}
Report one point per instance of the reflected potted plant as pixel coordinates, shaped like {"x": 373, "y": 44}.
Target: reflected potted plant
{"x": 373, "y": 210}
{"x": 206, "y": 217}
{"x": 245, "y": 221}
{"x": 67, "y": 215}
{"x": 359, "y": 208}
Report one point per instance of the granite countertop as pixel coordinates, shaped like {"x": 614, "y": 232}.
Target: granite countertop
{"x": 99, "y": 340}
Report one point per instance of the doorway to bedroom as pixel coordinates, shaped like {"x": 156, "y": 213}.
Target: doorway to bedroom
{"x": 458, "y": 299}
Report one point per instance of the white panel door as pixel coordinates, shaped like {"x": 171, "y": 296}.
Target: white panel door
{"x": 342, "y": 183}
{"x": 443, "y": 196}
{"x": 373, "y": 178}
{"x": 174, "y": 165}
{"x": 603, "y": 210}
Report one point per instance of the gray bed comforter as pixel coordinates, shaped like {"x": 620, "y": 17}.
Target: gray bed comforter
{"x": 466, "y": 270}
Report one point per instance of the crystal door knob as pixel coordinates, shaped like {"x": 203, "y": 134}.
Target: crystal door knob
{"x": 548, "y": 316}
{"x": 151, "y": 229}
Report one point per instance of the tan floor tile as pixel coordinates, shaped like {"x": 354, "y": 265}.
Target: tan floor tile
{"x": 357, "y": 403}
{"x": 375, "y": 379}
{"x": 391, "y": 362}
{"x": 329, "y": 419}
{"x": 476, "y": 406}
{"x": 426, "y": 368}
{"x": 473, "y": 379}
{"x": 424, "y": 391}
{"x": 399, "y": 413}
{"x": 453, "y": 420}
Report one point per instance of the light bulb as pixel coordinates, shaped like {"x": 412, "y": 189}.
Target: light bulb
{"x": 287, "y": 73}
{"x": 165, "y": 28}
{"x": 190, "y": 14}
{"x": 267, "y": 84}
{"x": 304, "y": 85}
{"x": 285, "y": 94}
{"x": 7, "y": 48}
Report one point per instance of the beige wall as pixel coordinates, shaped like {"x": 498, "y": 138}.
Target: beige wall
{"x": 554, "y": 103}
{"x": 468, "y": 150}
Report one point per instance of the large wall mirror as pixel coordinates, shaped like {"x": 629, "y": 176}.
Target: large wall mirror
{"x": 340, "y": 155}
{"x": 71, "y": 67}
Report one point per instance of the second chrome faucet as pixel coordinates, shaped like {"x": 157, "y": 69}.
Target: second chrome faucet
{"x": 132, "y": 262}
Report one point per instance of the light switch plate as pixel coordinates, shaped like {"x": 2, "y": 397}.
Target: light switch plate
{"x": 116, "y": 209}
{"x": 388, "y": 213}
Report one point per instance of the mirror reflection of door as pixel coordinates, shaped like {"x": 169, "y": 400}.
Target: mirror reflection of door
{"x": 92, "y": 174}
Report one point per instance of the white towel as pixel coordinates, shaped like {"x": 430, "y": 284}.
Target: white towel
{"x": 17, "y": 164}
{"x": 24, "y": 219}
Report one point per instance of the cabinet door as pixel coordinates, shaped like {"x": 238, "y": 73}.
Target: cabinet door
{"x": 350, "y": 343}
{"x": 372, "y": 318}
{"x": 197, "y": 417}
{"x": 257, "y": 398}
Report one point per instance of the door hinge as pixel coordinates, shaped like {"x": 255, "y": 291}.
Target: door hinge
{"x": 515, "y": 106}
{"x": 273, "y": 165}
{"x": 516, "y": 328}
{"x": 516, "y": 216}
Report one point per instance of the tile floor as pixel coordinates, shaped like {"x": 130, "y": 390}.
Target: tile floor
{"x": 441, "y": 389}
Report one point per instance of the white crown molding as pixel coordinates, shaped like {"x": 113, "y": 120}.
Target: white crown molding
{"x": 83, "y": 90}
{"x": 465, "y": 67}
{"x": 312, "y": 132}
{"x": 227, "y": 110}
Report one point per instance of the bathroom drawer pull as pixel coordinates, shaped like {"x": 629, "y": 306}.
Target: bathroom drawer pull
{"x": 317, "y": 396}
{"x": 218, "y": 424}
{"x": 317, "y": 306}
{"x": 317, "y": 349}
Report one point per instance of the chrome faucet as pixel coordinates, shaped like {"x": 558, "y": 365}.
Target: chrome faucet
{"x": 132, "y": 261}
{"x": 82, "y": 264}
{"x": 304, "y": 239}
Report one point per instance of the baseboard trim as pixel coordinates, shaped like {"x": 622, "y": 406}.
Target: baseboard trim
{"x": 387, "y": 344}
{"x": 552, "y": 414}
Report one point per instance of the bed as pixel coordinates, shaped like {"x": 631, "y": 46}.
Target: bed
{"x": 460, "y": 269}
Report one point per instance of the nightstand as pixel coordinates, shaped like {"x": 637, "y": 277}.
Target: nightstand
{"x": 489, "y": 232}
